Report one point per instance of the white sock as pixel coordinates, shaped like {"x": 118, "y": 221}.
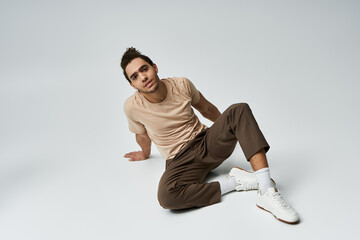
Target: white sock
{"x": 264, "y": 180}
{"x": 227, "y": 184}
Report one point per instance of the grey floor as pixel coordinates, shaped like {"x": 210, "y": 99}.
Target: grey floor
{"x": 63, "y": 132}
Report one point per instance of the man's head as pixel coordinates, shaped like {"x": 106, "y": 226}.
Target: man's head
{"x": 140, "y": 71}
{"x": 130, "y": 54}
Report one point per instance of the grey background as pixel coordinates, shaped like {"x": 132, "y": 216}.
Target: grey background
{"x": 63, "y": 132}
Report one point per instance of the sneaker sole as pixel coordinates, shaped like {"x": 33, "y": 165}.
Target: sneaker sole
{"x": 282, "y": 220}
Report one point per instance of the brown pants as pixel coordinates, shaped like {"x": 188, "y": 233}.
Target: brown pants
{"x": 182, "y": 184}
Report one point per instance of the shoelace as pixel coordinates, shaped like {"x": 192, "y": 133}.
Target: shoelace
{"x": 278, "y": 200}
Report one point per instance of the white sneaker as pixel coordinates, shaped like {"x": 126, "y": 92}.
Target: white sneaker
{"x": 273, "y": 202}
{"x": 246, "y": 180}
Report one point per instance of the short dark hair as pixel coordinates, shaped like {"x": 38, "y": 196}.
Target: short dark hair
{"x": 130, "y": 54}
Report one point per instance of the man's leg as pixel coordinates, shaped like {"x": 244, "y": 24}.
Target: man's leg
{"x": 259, "y": 160}
{"x": 181, "y": 186}
{"x": 237, "y": 123}
{"x": 260, "y": 165}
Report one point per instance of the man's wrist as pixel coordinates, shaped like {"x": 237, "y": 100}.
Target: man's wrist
{"x": 146, "y": 154}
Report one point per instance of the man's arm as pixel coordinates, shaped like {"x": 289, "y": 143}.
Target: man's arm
{"x": 207, "y": 109}
{"x": 145, "y": 143}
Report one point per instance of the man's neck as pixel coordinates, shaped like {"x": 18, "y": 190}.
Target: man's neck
{"x": 159, "y": 95}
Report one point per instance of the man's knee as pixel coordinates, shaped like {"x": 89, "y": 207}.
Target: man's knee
{"x": 167, "y": 197}
{"x": 239, "y": 107}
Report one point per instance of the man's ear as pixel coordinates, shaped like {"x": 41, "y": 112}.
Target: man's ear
{"x": 155, "y": 67}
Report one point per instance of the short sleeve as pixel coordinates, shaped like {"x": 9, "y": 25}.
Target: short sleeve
{"x": 134, "y": 125}
{"x": 193, "y": 92}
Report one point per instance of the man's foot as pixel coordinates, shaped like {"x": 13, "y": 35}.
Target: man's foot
{"x": 273, "y": 202}
{"x": 245, "y": 180}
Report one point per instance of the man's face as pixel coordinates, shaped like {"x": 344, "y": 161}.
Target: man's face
{"x": 142, "y": 75}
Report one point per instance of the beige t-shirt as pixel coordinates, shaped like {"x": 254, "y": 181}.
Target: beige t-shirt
{"x": 171, "y": 123}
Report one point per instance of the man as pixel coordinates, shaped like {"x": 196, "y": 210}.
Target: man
{"x": 161, "y": 112}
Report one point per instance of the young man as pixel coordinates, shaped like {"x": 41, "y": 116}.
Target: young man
{"x": 161, "y": 112}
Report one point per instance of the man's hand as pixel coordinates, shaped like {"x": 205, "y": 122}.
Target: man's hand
{"x": 135, "y": 156}
{"x": 145, "y": 143}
